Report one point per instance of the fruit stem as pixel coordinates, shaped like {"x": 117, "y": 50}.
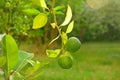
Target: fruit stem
{"x": 58, "y": 28}
{"x": 55, "y": 20}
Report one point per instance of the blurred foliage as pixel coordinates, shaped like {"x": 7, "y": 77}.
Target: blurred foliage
{"x": 100, "y": 24}
{"x": 12, "y": 19}
{"x": 90, "y": 24}
{"x": 15, "y": 21}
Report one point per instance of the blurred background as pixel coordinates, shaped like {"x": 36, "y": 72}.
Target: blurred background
{"x": 97, "y": 25}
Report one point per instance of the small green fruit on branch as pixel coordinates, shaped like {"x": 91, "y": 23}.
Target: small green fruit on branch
{"x": 73, "y": 44}
{"x": 65, "y": 61}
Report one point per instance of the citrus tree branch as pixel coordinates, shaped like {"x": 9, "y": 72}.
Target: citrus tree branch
{"x": 56, "y": 25}
{"x": 55, "y": 20}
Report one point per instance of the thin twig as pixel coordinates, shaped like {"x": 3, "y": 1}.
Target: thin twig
{"x": 58, "y": 28}
{"x": 55, "y": 20}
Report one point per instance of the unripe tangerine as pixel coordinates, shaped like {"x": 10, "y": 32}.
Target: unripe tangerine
{"x": 65, "y": 61}
{"x": 73, "y": 44}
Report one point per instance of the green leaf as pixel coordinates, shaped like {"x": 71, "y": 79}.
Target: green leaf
{"x": 58, "y": 8}
{"x": 43, "y": 4}
{"x": 31, "y": 11}
{"x": 2, "y": 61}
{"x": 29, "y": 71}
{"x": 31, "y": 62}
{"x": 36, "y": 76}
{"x": 28, "y": 68}
{"x": 39, "y": 21}
{"x": 68, "y": 16}
{"x": 53, "y": 53}
{"x": 59, "y": 12}
{"x": 24, "y": 58}
{"x": 16, "y": 76}
{"x": 10, "y": 52}
{"x": 70, "y": 27}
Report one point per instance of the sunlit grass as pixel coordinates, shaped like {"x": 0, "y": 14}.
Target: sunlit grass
{"x": 94, "y": 61}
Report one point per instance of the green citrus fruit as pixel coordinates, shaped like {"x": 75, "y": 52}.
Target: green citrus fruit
{"x": 65, "y": 61}
{"x": 73, "y": 44}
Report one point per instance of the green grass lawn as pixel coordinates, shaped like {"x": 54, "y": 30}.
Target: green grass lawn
{"x": 94, "y": 61}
